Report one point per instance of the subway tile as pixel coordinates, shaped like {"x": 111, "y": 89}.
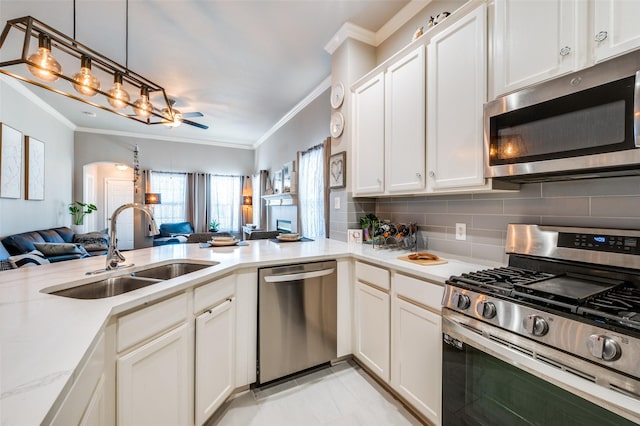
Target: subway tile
{"x": 501, "y": 222}
{"x": 409, "y": 218}
{"x": 447, "y": 219}
{"x": 529, "y": 190}
{"x": 593, "y": 222}
{"x": 489, "y": 252}
{"x": 476, "y": 206}
{"x": 481, "y": 236}
{"x": 459, "y": 248}
{"x": 593, "y": 187}
{"x": 548, "y": 206}
{"x": 428, "y": 206}
{"x": 390, "y": 208}
{"x": 615, "y": 206}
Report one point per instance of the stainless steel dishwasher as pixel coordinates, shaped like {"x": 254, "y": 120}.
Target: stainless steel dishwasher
{"x": 297, "y": 318}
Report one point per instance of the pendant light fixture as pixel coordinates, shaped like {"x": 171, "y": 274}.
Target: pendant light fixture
{"x": 118, "y": 97}
{"x": 86, "y": 83}
{"x": 42, "y": 64}
{"x": 142, "y": 107}
{"x": 174, "y": 117}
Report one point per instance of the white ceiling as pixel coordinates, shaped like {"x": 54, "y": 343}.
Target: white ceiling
{"x": 243, "y": 63}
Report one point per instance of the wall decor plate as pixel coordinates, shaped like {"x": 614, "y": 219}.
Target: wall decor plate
{"x": 337, "y": 124}
{"x": 337, "y": 95}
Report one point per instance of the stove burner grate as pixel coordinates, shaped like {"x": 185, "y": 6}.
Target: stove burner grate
{"x": 501, "y": 279}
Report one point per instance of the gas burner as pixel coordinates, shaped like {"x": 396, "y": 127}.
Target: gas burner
{"x": 500, "y": 280}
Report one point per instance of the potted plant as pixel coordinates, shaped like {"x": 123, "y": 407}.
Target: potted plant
{"x": 78, "y": 210}
{"x": 367, "y": 222}
{"x": 213, "y": 226}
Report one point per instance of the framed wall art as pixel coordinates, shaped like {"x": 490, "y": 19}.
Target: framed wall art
{"x": 277, "y": 182}
{"x": 10, "y": 162}
{"x": 337, "y": 170}
{"x": 34, "y": 170}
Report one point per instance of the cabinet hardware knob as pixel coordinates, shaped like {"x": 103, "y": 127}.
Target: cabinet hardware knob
{"x": 418, "y": 175}
{"x": 601, "y": 36}
{"x": 432, "y": 174}
{"x": 565, "y": 51}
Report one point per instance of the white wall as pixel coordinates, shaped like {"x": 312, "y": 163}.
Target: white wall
{"x": 21, "y": 113}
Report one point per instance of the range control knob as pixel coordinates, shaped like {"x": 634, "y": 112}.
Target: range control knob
{"x": 461, "y": 301}
{"x": 604, "y": 347}
{"x": 535, "y": 325}
{"x": 487, "y": 310}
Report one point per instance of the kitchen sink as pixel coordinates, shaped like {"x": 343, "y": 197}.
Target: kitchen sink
{"x": 172, "y": 270}
{"x": 113, "y": 286}
{"x": 106, "y": 288}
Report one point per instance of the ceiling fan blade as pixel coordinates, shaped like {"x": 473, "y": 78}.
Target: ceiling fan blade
{"x": 192, "y": 114}
{"x": 193, "y": 123}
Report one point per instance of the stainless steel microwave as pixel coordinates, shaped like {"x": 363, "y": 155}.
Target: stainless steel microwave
{"x": 582, "y": 125}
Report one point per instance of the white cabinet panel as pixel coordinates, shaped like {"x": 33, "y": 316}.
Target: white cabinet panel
{"x": 368, "y": 137}
{"x": 215, "y": 358}
{"x": 155, "y": 381}
{"x": 616, "y": 26}
{"x": 372, "y": 316}
{"x": 405, "y": 123}
{"x": 457, "y": 92}
{"x": 417, "y": 358}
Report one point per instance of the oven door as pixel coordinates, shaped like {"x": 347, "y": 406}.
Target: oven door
{"x": 490, "y": 380}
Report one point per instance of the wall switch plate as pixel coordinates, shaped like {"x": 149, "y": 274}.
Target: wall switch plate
{"x": 336, "y": 203}
{"x": 461, "y": 231}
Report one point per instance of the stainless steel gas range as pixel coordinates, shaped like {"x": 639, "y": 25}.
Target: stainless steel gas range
{"x": 553, "y": 338}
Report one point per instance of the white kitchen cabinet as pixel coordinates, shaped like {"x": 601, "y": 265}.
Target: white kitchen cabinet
{"x": 615, "y": 29}
{"x": 215, "y": 358}
{"x": 389, "y": 128}
{"x": 416, "y": 348}
{"x": 405, "y": 123}
{"x": 372, "y": 318}
{"x": 155, "y": 381}
{"x": 457, "y": 92}
{"x": 97, "y": 412}
{"x": 368, "y": 137}
{"x": 535, "y": 40}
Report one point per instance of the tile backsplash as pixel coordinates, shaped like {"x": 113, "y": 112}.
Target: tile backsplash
{"x": 607, "y": 203}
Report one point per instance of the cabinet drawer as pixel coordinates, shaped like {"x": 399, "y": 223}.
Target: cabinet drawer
{"x": 147, "y": 322}
{"x": 373, "y": 275}
{"x": 424, "y": 292}
{"x": 213, "y": 293}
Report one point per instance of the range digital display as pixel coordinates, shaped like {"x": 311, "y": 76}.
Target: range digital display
{"x": 597, "y": 242}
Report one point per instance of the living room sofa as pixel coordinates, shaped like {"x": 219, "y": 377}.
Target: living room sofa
{"x": 51, "y": 245}
{"x": 173, "y": 233}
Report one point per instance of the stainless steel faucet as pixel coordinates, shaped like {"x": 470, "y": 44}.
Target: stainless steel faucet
{"x": 114, "y": 257}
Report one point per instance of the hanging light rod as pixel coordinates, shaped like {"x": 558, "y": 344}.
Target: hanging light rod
{"x": 54, "y": 53}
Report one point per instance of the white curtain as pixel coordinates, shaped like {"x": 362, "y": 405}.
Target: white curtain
{"x": 311, "y": 192}
{"x": 173, "y": 192}
{"x": 226, "y": 202}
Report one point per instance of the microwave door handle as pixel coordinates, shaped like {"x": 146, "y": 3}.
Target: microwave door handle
{"x": 636, "y": 110}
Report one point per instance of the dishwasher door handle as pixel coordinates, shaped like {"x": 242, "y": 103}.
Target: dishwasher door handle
{"x": 300, "y": 276}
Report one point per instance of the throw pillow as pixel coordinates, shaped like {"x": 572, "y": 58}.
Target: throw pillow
{"x": 58, "y": 249}
{"x": 5, "y": 265}
{"x": 93, "y": 241}
{"x": 33, "y": 258}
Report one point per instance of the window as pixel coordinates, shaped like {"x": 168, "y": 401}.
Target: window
{"x": 311, "y": 192}
{"x": 226, "y": 201}
{"x": 173, "y": 190}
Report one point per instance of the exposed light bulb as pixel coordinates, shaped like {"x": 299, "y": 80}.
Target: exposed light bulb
{"x": 44, "y": 64}
{"x": 177, "y": 117}
{"x": 118, "y": 97}
{"x": 142, "y": 107}
{"x": 86, "y": 82}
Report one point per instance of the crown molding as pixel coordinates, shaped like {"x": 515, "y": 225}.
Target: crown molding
{"x": 375, "y": 39}
{"x": 28, "y": 94}
{"x": 320, "y": 89}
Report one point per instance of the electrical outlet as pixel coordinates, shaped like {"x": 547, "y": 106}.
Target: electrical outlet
{"x": 461, "y": 231}
{"x": 336, "y": 203}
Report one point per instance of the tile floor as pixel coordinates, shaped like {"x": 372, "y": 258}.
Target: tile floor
{"x": 339, "y": 395}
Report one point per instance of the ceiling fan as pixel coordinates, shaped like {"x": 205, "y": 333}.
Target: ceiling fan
{"x": 181, "y": 117}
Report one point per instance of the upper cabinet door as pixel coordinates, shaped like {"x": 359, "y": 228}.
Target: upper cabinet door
{"x": 457, "y": 91}
{"x": 368, "y": 137}
{"x": 535, "y": 40}
{"x": 405, "y": 121}
{"x": 616, "y": 28}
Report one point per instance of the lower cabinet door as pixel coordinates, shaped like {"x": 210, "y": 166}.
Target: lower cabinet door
{"x": 215, "y": 358}
{"x": 96, "y": 414}
{"x": 417, "y": 358}
{"x": 372, "y": 312}
{"x": 155, "y": 381}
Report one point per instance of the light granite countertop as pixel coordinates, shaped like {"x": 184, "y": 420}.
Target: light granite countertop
{"x": 44, "y": 338}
